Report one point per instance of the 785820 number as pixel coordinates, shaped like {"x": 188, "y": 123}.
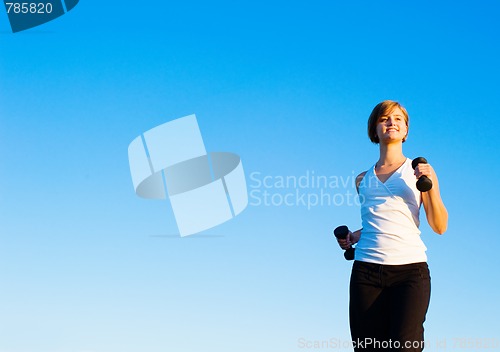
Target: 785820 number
{"x": 28, "y": 7}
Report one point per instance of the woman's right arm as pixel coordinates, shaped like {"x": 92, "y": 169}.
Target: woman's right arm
{"x": 352, "y": 237}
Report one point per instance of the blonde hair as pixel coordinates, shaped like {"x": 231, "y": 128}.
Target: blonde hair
{"x": 383, "y": 108}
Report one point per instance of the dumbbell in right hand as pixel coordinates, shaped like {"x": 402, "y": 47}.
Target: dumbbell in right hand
{"x": 341, "y": 233}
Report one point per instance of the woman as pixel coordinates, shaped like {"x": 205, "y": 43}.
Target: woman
{"x": 390, "y": 281}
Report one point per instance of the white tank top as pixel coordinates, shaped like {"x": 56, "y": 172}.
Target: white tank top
{"x": 390, "y": 219}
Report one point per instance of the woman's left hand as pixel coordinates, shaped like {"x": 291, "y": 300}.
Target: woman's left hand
{"x": 424, "y": 170}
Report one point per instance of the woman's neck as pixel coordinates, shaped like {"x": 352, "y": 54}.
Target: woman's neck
{"x": 391, "y": 154}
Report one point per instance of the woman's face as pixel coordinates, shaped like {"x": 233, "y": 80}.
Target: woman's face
{"x": 391, "y": 127}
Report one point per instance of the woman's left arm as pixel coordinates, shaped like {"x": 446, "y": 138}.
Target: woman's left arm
{"x": 436, "y": 212}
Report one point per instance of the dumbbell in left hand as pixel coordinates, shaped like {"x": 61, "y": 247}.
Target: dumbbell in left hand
{"x": 424, "y": 183}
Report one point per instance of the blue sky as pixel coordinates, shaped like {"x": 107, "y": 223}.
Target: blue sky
{"x": 87, "y": 266}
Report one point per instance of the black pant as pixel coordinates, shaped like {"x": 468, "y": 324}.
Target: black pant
{"x": 387, "y": 306}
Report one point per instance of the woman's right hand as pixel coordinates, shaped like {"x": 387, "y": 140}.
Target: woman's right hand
{"x": 351, "y": 238}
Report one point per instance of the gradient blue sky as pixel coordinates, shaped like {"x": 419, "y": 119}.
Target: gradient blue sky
{"x": 86, "y": 266}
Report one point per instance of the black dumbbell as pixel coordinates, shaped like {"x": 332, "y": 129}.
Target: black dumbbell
{"x": 423, "y": 183}
{"x": 341, "y": 233}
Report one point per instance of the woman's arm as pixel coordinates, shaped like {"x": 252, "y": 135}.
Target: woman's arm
{"x": 352, "y": 237}
{"x": 437, "y": 215}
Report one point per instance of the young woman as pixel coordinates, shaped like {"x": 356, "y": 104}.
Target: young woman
{"x": 390, "y": 281}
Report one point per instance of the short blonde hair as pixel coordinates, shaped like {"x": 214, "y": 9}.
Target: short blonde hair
{"x": 383, "y": 108}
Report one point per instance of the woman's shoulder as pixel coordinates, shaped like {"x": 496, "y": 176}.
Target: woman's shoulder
{"x": 359, "y": 178}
